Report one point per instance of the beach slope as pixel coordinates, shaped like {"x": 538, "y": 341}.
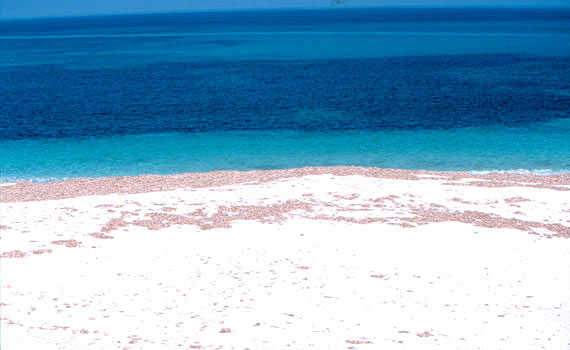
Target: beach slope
{"x": 324, "y": 258}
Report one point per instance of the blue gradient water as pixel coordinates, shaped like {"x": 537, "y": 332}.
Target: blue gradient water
{"x": 440, "y": 89}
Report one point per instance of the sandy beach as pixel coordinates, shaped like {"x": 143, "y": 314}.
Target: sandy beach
{"x": 322, "y": 258}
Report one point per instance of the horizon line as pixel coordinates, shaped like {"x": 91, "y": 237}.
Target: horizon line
{"x": 279, "y": 9}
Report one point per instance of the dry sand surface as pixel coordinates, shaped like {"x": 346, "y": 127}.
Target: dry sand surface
{"x": 322, "y": 258}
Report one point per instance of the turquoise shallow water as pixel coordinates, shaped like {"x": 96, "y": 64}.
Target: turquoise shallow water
{"x": 438, "y": 89}
{"x": 541, "y": 148}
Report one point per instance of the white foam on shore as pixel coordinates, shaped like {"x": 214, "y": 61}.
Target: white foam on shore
{"x": 14, "y": 180}
{"x": 543, "y": 172}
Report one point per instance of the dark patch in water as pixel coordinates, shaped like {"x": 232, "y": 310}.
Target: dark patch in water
{"x": 427, "y": 92}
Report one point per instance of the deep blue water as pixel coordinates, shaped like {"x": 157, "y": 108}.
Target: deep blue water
{"x": 439, "y": 89}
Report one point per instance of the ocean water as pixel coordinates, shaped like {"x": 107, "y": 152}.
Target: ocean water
{"x": 438, "y": 89}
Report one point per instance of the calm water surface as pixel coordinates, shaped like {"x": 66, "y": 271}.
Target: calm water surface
{"x": 439, "y": 89}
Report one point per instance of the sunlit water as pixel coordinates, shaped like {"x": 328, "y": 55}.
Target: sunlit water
{"x": 446, "y": 89}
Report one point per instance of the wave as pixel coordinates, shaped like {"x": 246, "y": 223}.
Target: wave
{"x": 6, "y": 181}
{"x": 544, "y": 172}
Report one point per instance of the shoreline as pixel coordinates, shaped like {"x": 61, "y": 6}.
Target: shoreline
{"x": 30, "y": 191}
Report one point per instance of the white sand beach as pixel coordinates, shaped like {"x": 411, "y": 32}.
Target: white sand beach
{"x": 321, "y": 258}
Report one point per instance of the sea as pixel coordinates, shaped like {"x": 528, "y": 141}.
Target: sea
{"x": 446, "y": 89}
